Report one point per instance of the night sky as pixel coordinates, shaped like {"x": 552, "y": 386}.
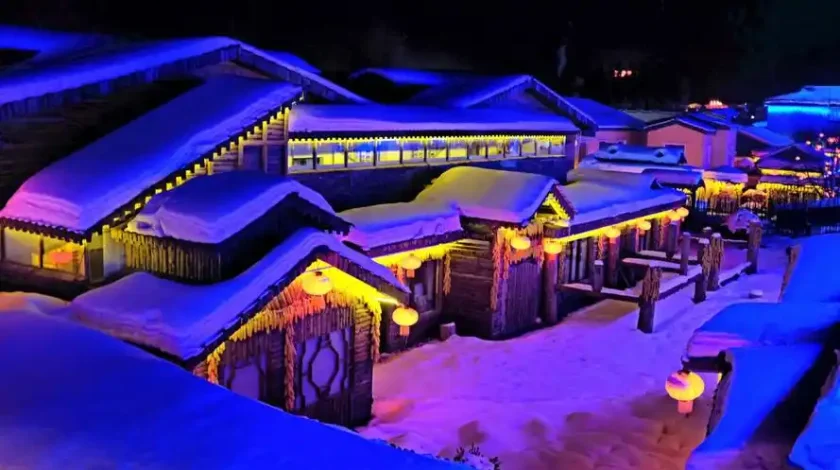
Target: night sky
{"x": 732, "y": 49}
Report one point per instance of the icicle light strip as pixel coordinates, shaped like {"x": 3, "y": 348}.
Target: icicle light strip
{"x": 424, "y": 254}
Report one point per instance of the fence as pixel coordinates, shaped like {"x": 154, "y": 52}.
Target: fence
{"x": 808, "y": 218}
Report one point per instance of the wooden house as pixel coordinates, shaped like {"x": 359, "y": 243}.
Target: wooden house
{"x": 521, "y": 243}
{"x": 405, "y": 147}
{"x": 298, "y": 328}
{"x": 795, "y": 173}
{"x": 612, "y": 126}
{"x": 413, "y": 240}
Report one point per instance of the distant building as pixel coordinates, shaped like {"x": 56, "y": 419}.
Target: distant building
{"x": 805, "y": 113}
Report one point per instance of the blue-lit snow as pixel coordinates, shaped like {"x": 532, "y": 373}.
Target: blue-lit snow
{"x": 75, "y": 398}
{"x": 816, "y": 277}
{"x": 818, "y": 447}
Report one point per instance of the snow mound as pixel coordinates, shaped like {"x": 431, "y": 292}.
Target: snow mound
{"x": 497, "y": 195}
{"x": 182, "y": 319}
{"x": 31, "y": 302}
{"x": 87, "y": 186}
{"x": 194, "y": 212}
{"x": 818, "y": 447}
{"x": 385, "y": 224}
{"x": 763, "y": 323}
{"x": 816, "y": 277}
{"x": 84, "y": 400}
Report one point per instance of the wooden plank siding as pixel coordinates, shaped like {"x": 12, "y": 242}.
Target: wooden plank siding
{"x": 471, "y": 273}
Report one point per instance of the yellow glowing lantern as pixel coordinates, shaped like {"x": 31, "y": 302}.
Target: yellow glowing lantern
{"x": 643, "y": 226}
{"x": 685, "y": 387}
{"x": 552, "y": 247}
{"x": 410, "y": 263}
{"x": 405, "y": 317}
{"x": 682, "y": 212}
{"x": 520, "y": 243}
{"x": 612, "y": 233}
{"x": 316, "y": 283}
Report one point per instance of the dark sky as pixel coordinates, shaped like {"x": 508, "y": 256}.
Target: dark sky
{"x": 727, "y": 48}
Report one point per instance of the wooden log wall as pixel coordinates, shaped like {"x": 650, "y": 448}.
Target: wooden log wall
{"x": 471, "y": 275}
{"x": 522, "y": 299}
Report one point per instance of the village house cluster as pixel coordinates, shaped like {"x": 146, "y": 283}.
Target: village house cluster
{"x": 232, "y": 210}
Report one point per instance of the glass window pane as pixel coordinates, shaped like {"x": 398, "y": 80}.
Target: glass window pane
{"x": 529, "y": 147}
{"x": 330, "y": 154}
{"x": 437, "y": 150}
{"x": 512, "y": 148}
{"x": 300, "y": 156}
{"x": 64, "y": 256}
{"x": 543, "y": 146}
{"x": 388, "y": 152}
{"x": 558, "y": 145}
{"x": 495, "y": 148}
{"x": 477, "y": 149}
{"x": 457, "y": 150}
{"x": 22, "y": 247}
{"x": 360, "y": 154}
{"x": 412, "y": 151}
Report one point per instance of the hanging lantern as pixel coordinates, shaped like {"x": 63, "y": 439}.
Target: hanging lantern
{"x": 682, "y": 212}
{"x": 405, "y": 317}
{"x": 410, "y": 264}
{"x": 685, "y": 387}
{"x": 612, "y": 233}
{"x": 316, "y": 283}
{"x": 643, "y": 226}
{"x": 520, "y": 243}
{"x": 552, "y": 247}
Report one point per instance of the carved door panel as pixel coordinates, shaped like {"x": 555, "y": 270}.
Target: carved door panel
{"x": 323, "y": 376}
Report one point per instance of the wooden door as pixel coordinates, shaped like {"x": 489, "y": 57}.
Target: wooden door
{"x": 522, "y": 303}
{"x": 323, "y": 376}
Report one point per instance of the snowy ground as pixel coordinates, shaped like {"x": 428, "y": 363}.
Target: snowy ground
{"x": 587, "y": 393}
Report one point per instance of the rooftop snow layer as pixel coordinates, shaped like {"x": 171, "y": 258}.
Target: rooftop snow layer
{"x": 685, "y": 120}
{"x": 195, "y": 212}
{"x": 794, "y": 157}
{"x": 765, "y": 135}
{"x": 727, "y": 173}
{"x": 605, "y": 117}
{"x": 467, "y": 92}
{"x": 598, "y": 195}
{"x": 816, "y": 277}
{"x": 47, "y": 44}
{"x": 763, "y": 324}
{"x": 182, "y": 319}
{"x": 817, "y": 447}
{"x": 293, "y": 60}
{"x": 87, "y": 186}
{"x": 816, "y": 95}
{"x": 650, "y": 116}
{"x": 384, "y": 118}
{"x": 411, "y": 77}
{"x": 641, "y": 154}
{"x": 384, "y": 224}
{"x": 496, "y": 195}
{"x": 130, "y": 58}
{"x": 82, "y": 399}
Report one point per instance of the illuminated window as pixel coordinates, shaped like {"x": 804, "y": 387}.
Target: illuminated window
{"x": 64, "y": 256}
{"x": 388, "y": 152}
{"x": 529, "y": 147}
{"x": 512, "y": 148}
{"x": 458, "y": 150}
{"x": 330, "y": 154}
{"x": 412, "y": 151}
{"x": 437, "y": 150}
{"x": 495, "y": 148}
{"x": 543, "y": 146}
{"x": 25, "y": 248}
{"x": 558, "y": 145}
{"x": 360, "y": 153}
{"x": 300, "y": 156}
{"x": 22, "y": 247}
{"x": 477, "y": 150}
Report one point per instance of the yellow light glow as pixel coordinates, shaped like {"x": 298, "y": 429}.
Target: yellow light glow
{"x": 552, "y": 246}
{"x": 424, "y": 254}
{"x": 643, "y": 226}
{"x": 405, "y": 317}
{"x": 612, "y": 233}
{"x": 410, "y": 262}
{"x": 316, "y": 283}
{"x": 684, "y": 386}
{"x": 520, "y": 243}
{"x": 600, "y": 231}
{"x": 682, "y": 212}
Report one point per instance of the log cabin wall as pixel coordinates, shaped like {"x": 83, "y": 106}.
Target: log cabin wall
{"x": 264, "y": 151}
{"x": 468, "y": 302}
{"x": 332, "y": 361}
{"x": 348, "y": 189}
{"x": 429, "y": 308}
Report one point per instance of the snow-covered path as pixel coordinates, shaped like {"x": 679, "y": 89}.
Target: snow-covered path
{"x": 586, "y": 393}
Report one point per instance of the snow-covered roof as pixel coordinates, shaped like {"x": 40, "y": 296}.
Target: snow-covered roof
{"x": 602, "y": 195}
{"x": 195, "y": 212}
{"x": 641, "y": 154}
{"x": 79, "y": 191}
{"x": 765, "y": 136}
{"x": 47, "y": 44}
{"x": 466, "y": 92}
{"x": 293, "y": 60}
{"x": 816, "y": 277}
{"x": 82, "y": 399}
{"x": 683, "y": 120}
{"x": 798, "y": 157}
{"x": 817, "y": 446}
{"x": 411, "y": 77}
{"x": 763, "y": 324}
{"x": 606, "y": 117}
{"x": 136, "y": 57}
{"x": 811, "y": 94}
{"x": 650, "y": 115}
{"x": 495, "y": 195}
{"x": 328, "y": 119}
{"x": 727, "y": 173}
{"x": 385, "y": 224}
{"x": 183, "y": 320}
{"x": 671, "y": 175}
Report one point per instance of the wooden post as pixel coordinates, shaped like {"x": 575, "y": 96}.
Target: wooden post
{"x": 753, "y": 246}
{"x": 631, "y": 242}
{"x": 671, "y": 238}
{"x": 792, "y": 258}
{"x": 705, "y": 264}
{"x": 597, "y": 276}
{"x": 613, "y": 247}
{"x": 655, "y": 233}
{"x": 685, "y": 250}
{"x": 550, "y": 289}
{"x": 716, "y": 250}
{"x": 591, "y": 254}
{"x": 648, "y": 298}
